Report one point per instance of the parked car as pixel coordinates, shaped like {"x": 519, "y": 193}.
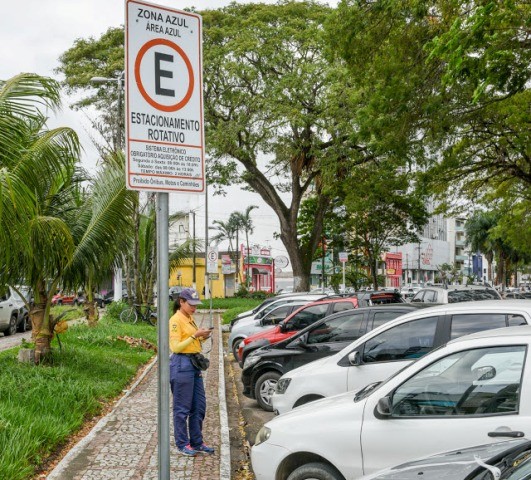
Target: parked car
{"x": 392, "y": 346}
{"x": 108, "y": 297}
{"x": 272, "y": 315}
{"x": 68, "y": 299}
{"x": 470, "y": 392}
{"x": 409, "y": 292}
{"x": 13, "y": 312}
{"x": 514, "y": 295}
{"x": 276, "y": 298}
{"x": 379, "y": 297}
{"x": 301, "y": 318}
{"x": 264, "y": 366}
{"x": 455, "y": 293}
{"x": 510, "y": 459}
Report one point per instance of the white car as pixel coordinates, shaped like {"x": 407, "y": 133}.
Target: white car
{"x": 13, "y": 313}
{"x": 510, "y": 459}
{"x": 393, "y": 345}
{"x": 475, "y": 390}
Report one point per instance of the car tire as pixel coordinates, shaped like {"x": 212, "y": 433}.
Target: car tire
{"x": 235, "y": 347}
{"x": 316, "y": 471}
{"x": 12, "y": 329}
{"x": 264, "y": 388}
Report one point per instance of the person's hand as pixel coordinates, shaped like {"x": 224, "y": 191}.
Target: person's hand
{"x": 202, "y": 333}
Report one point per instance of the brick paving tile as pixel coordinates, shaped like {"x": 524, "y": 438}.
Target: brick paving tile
{"x": 123, "y": 445}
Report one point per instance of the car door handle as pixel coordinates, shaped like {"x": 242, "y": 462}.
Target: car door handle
{"x": 509, "y": 433}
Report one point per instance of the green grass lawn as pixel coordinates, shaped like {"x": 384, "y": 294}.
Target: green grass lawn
{"x": 232, "y": 306}
{"x": 41, "y": 406}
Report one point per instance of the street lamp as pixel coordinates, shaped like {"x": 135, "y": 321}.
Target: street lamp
{"x": 120, "y": 86}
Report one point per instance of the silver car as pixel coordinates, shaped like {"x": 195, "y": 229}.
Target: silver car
{"x": 455, "y": 294}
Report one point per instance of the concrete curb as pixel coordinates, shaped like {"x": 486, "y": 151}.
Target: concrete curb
{"x": 65, "y": 462}
{"x": 224, "y": 461}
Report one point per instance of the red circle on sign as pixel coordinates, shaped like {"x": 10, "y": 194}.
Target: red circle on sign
{"x": 180, "y": 51}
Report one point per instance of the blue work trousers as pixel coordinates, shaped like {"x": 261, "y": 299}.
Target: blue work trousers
{"x": 189, "y": 401}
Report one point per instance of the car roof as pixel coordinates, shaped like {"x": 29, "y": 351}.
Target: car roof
{"x": 457, "y": 287}
{"x": 495, "y": 305}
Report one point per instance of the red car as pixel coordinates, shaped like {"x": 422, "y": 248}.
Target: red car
{"x": 62, "y": 299}
{"x": 301, "y": 318}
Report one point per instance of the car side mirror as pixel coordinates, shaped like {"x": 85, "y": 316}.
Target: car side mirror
{"x": 259, "y": 315}
{"x": 284, "y": 327}
{"x": 383, "y": 408}
{"x": 354, "y": 358}
{"x": 484, "y": 373}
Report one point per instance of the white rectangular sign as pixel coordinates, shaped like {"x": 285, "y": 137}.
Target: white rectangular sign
{"x": 343, "y": 257}
{"x": 212, "y": 260}
{"x": 164, "y": 99}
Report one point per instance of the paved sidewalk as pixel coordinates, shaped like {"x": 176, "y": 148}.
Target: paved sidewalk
{"x": 123, "y": 445}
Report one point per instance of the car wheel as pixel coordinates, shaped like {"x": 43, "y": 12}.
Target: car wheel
{"x": 264, "y": 389}
{"x": 12, "y": 326}
{"x": 235, "y": 347}
{"x": 316, "y": 471}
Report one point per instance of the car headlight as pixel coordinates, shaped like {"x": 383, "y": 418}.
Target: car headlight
{"x": 282, "y": 385}
{"x": 250, "y": 361}
{"x": 263, "y": 435}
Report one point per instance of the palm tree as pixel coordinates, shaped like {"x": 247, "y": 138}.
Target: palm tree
{"x": 244, "y": 222}
{"x": 60, "y": 233}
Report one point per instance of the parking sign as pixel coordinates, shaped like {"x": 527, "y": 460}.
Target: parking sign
{"x": 164, "y": 99}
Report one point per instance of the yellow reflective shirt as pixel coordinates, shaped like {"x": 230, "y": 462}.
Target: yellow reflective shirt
{"x": 181, "y": 328}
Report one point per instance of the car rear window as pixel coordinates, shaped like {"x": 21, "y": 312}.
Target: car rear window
{"x": 384, "y": 298}
{"x": 456, "y": 296}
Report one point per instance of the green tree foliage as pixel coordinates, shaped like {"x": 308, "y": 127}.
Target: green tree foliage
{"x": 272, "y": 97}
{"x": 383, "y": 210}
{"x": 97, "y": 57}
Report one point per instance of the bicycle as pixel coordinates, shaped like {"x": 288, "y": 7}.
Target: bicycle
{"x": 132, "y": 314}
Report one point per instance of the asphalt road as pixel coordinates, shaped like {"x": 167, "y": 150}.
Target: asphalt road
{"x": 13, "y": 340}
{"x": 245, "y": 418}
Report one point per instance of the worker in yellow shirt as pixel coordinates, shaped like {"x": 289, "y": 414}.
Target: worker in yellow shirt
{"x": 187, "y": 387}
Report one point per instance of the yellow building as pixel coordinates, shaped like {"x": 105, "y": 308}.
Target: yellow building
{"x": 183, "y": 275}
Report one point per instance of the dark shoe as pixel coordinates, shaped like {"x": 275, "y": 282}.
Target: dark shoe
{"x": 204, "y": 449}
{"x": 188, "y": 451}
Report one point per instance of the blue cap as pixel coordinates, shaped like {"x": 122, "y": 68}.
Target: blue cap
{"x": 191, "y": 296}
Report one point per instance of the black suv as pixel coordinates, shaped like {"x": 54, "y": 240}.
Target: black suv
{"x": 264, "y": 366}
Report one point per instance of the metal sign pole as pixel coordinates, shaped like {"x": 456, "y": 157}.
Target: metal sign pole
{"x": 163, "y": 336}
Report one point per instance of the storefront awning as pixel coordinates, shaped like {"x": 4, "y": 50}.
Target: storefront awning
{"x": 260, "y": 271}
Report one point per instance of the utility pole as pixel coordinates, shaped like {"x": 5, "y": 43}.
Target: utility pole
{"x": 418, "y": 272}
{"x": 194, "y": 285}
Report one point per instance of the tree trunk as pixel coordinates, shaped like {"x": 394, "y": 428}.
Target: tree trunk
{"x": 42, "y": 335}
{"x": 91, "y": 313}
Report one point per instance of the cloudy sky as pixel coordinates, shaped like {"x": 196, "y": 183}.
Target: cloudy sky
{"x": 34, "y": 34}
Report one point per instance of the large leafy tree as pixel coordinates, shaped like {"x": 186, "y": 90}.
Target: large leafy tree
{"x": 274, "y": 111}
